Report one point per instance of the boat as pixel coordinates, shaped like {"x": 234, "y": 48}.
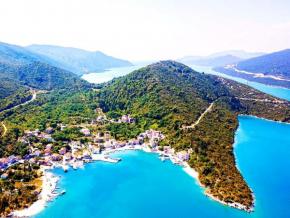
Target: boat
{"x": 62, "y": 192}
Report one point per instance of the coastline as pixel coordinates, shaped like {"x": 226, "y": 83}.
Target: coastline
{"x": 48, "y": 185}
{"x": 245, "y": 115}
{"x": 49, "y": 182}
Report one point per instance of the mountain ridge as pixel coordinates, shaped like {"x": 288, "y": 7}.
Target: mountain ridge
{"x": 79, "y": 60}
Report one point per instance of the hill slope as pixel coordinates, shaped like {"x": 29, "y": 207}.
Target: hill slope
{"x": 168, "y": 95}
{"x": 77, "y": 60}
{"x": 17, "y": 80}
{"x": 271, "y": 69}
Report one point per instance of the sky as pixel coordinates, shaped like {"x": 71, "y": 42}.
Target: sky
{"x": 148, "y": 29}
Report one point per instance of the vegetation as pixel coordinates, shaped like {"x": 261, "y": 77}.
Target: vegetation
{"x": 168, "y": 95}
{"x": 19, "y": 189}
{"x": 165, "y": 96}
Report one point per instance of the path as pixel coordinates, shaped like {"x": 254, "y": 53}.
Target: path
{"x": 32, "y": 99}
{"x": 199, "y": 119}
{"x": 5, "y": 129}
{"x": 264, "y": 100}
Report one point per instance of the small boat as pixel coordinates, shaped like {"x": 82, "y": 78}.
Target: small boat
{"x": 62, "y": 192}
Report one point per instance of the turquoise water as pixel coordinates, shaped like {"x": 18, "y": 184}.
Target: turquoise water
{"x": 117, "y": 72}
{"x": 141, "y": 185}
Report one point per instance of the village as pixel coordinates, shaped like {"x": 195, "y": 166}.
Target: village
{"x": 75, "y": 153}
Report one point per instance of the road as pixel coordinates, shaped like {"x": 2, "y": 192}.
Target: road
{"x": 199, "y": 119}
{"x": 34, "y": 95}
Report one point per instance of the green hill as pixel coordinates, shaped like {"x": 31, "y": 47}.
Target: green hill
{"x": 169, "y": 95}
{"x": 17, "y": 80}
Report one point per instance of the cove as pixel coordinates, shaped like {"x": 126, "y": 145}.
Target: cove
{"x": 141, "y": 185}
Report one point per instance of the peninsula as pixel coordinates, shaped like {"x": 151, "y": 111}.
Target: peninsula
{"x": 165, "y": 107}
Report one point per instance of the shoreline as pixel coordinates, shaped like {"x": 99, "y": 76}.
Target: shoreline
{"x": 273, "y": 86}
{"x": 245, "y": 115}
{"x": 48, "y": 185}
{"x": 49, "y": 182}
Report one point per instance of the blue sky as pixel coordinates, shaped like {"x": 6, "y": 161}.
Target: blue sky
{"x": 151, "y": 29}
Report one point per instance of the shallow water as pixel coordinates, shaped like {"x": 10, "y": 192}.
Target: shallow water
{"x": 141, "y": 185}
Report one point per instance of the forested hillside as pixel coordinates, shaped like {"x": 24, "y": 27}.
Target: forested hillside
{"x": 168, "y": 95}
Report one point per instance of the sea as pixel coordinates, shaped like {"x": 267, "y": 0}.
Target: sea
{"x": 141, "y": 185}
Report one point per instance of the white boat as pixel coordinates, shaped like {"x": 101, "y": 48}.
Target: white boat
{"x": 63, "y": 192}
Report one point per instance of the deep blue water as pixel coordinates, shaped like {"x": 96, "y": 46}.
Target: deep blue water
{"x": 141, "y": 185}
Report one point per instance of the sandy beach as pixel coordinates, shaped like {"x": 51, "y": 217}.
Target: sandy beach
{"x": 48, "y": 185}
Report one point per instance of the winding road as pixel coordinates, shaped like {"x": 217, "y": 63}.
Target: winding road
{"x": 199, "y": 119}
{"x": 27, "y": 102}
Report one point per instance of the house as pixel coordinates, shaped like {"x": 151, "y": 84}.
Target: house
{"x": 86, "y": 132}
{"x": 37, "y": 153}
{"x": 4, "y": 176}
{"x": 75, "y": 145}
{"x": 11, "y": 159}
{"x": 168, "y": 149}
{"x": 49, "y": 130}
{"x": 32, "y": 160}
{"x": 23, "y": 139}
{"x": 49, "y": 146}
{"x": 62, "y": 151}
{"x": 37, "y": 191}
{"x": 94, "y": 121}
{"x": 107, "y": 134}
{"x": 183, "y": 155}
{"x": 55, "y": 157}
{"x": 86, "y": 154}
{"x": 79, "y": 157}
{"x": 48, "y": 137}
{"x": 47, "y": 151}
{"x": 134, "y": 142}
{"x": 100, "y": 118}
{"x": 3, "y": 163}
{"x": 141, "y": 139}
{"x": 107, "y": 144}
{"x": 98, "y": 139}
{"x": 121, "y": 144}
{"x": 96, "y": 149}
{"x": 41, "y": 135}
{"x": 67, "y": 156}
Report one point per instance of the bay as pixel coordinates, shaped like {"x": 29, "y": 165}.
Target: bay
{"x": 141, "y": 185}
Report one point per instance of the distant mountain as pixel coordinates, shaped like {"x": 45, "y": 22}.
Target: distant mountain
{"x": 77, "y": 60}
{"x": 217, "y": 61}
{"x": 219, "y": 58}
{"x": 17, "y": 55}
{"x": 271, "y": 69}
{"x": 237, "y": 53}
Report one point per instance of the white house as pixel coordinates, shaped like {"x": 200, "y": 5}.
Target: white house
{"x": 183, "y": 155}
